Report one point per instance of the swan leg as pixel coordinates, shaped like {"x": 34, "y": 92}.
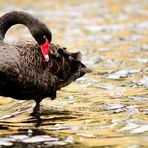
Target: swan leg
{"x": 36, "y": 109}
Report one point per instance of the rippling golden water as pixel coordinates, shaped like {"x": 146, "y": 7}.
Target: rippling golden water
{"x": 107, "y": 108}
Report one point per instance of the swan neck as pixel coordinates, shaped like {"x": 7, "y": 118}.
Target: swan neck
{"x": 36, "y": 28}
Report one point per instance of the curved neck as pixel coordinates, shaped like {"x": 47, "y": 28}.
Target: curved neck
{"x": 38, "y": 29}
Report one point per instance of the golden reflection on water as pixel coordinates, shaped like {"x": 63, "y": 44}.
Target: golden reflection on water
{"x": 107, "y": 108}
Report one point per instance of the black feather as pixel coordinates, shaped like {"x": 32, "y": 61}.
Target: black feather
{"x": 23, "y": 72}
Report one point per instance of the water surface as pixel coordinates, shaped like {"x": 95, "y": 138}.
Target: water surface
{"x": 107, "y": 108}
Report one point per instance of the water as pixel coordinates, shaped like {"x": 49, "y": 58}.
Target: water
{"x": 107, "y": 108}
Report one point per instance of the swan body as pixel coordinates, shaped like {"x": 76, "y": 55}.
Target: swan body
{"x": 24, "y": 73}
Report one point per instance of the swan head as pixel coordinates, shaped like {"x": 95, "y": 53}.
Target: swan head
{"x": 43, "y": 37}
{"x": 41, "y": 33}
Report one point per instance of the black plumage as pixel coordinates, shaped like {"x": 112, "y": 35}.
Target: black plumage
{"x": 24, "y": 74}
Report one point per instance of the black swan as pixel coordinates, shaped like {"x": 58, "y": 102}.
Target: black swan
{"x": 30, "y": 70}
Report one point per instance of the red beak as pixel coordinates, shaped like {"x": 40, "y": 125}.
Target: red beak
{"x": 45, "y": 50}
